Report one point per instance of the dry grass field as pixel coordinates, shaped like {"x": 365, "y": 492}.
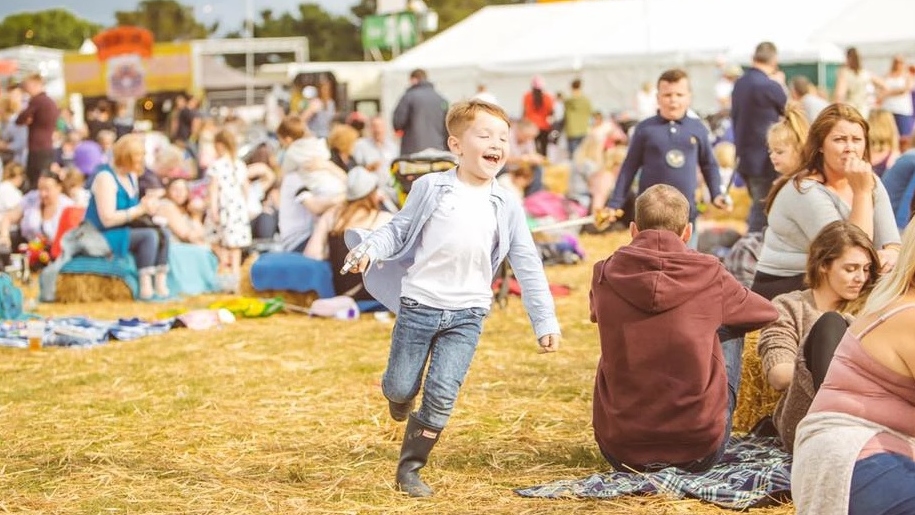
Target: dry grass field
{"x": 284, "y": 415}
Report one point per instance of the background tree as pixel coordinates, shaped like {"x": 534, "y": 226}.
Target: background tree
{"x": 330, "y": 38}
{"x": 168, "y": 20}
{"x": 53, "y": 28}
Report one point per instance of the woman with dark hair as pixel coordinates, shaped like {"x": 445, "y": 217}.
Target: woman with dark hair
{"x": 538, "y": 108}
{"x": 38, "y": 213}
{"x": 835, "y": 182}
{"x": 839, "y": 276}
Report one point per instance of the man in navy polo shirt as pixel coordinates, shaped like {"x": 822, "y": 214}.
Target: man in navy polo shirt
{"x": 757, "y": 102}
{"x": 669, "y": 147}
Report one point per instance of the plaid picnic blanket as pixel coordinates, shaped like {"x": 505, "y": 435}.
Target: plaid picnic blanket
{"x": 754, "y": 471}
{"x": 77, "y": 331}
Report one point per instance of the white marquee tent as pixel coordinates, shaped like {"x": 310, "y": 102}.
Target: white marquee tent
{"x": 615, "y": 45}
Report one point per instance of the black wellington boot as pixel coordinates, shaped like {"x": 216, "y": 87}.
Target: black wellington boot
{"x": 418, "y": 442}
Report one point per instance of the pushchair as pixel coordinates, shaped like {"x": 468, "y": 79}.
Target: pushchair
{"x": 409, "y": 167}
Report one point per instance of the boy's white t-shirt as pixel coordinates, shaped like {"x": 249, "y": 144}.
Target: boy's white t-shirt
{"x": 452, "y": 268}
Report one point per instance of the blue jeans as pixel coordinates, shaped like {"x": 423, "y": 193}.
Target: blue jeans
{"x": 447, "y": 339}
{"x": 758, "y": 186}
{"x": 148, "y": 249}
{"x": 573, "y": 143}
{"x": 882, "y": 485}
{"x": 733, "y": 364}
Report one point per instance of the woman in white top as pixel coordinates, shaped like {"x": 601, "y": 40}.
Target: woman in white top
{"x": 895, "y": 95}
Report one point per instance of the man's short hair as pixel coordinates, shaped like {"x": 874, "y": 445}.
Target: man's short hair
{"x": 673, "y": 75}
{"x": 418, "y": 74}
{"x": 662, "y": 207}
{"x": 576, "y": 84}
{"x": 765, "y": 53}
{"x": 801, "y": 85}
{"x": 465, "y": 112}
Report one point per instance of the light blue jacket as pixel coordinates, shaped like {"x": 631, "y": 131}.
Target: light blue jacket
{"x": 392, "y": 248}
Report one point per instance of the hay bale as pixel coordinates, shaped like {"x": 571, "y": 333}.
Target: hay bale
{"x": 756, "y": 398}
{"x": 556, "y": 177}
{"x": 77, "y": 288}
{"x": 293, "y": 298}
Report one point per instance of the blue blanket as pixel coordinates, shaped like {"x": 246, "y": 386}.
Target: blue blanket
{"x": 753, "y": 471}
{"x": 79, "y": 331}
{"x": 291, "y": 271}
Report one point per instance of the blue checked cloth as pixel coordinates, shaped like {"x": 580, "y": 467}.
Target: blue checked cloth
{"x": 754, "y": 471}
{"x": 78, "y": 331}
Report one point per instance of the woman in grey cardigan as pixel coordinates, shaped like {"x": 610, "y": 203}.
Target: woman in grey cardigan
{"x": 835, "y": 182}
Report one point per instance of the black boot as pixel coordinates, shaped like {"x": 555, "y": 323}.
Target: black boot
{"x": 400, "y": 410}
{"x": 418, "y": 442}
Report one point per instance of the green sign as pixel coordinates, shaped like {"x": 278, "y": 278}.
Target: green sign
{"x": 389, "y": 31}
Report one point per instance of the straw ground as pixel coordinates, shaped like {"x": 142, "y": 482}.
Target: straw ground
{"x": 284, "y": 415}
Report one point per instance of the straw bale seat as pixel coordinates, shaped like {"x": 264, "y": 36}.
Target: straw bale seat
{"x": 756, "y": 398}
{"x": 76, "y": 288}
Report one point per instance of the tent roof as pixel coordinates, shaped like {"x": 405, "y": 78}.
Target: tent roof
{"x": 216, "y": 74}
{"x": 573, "y": 34}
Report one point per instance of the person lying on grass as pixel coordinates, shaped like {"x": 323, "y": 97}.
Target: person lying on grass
{"x": 666, "y": 388}
{"x": 440, "y": 254}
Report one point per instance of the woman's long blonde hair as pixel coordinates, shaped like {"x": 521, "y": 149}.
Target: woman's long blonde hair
{"x": 896, "y": 283}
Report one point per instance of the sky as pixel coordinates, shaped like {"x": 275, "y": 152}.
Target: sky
{"x": 230, "y": 13}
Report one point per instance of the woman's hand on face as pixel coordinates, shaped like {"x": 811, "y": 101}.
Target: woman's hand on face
{"x": 888, "y": 257}
{"x": 860, "y": 174}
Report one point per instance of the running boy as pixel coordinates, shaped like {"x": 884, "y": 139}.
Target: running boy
{"x": 669, "y": 147}
{"x": 433, "y": 267}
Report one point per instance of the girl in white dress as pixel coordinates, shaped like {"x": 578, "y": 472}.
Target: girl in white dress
{"x": 228, "y": 212}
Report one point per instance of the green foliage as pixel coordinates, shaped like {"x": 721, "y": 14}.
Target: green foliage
{"x": 52, "y": 28}
{"x": 330, "y": 38}
{"x": 168, "y": 20}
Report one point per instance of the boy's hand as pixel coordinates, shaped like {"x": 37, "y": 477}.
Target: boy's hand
{"x": 356, "y": 261}
{"x": 549, "y": 343}
{"x": 724, "y": 202}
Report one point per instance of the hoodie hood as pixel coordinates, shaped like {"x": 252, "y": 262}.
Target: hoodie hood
{"x": 657, "y": 271}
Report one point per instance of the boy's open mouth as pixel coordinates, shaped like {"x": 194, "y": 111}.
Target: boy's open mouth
{"x": 492, "y": 158}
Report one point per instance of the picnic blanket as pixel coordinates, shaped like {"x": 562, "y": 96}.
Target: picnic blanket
{"x": 77, "y": 331}
{"x": 754, "y": 471}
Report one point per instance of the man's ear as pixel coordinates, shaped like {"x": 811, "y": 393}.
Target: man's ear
{"x": 633, "y": 229}
{"x": 687, "y": 233}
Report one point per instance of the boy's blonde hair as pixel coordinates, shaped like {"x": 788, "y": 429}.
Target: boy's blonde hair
{"x": 662, "y": 207}
{"x": 463, "y": 113}
{"x": 726, "y": 154}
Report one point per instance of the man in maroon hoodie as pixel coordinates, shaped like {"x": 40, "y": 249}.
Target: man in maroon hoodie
{"x": 41, "y": 117}
{"x": 666, "y": 388}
